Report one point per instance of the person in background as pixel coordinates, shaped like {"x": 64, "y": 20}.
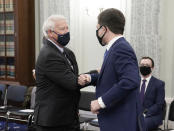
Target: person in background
{"x": 29, "y": 100}
{"x": 152, "y": 94}
{"x": 117, "y": 83}
{"x": 33, "y": 92}
{"x": 34, "y": 74}
{"x": 58, "y": 91}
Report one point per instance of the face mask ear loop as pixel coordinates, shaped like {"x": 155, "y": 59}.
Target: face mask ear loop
{"x": 56, "y": 34}
{"x": 105, "y": 31}
{"x": 100, "y": 28}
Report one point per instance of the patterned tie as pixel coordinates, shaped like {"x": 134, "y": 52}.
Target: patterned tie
{"x": 64, "y": 53}
{"x": 142, "y": 90}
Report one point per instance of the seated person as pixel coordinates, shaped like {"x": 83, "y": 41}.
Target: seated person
{"x": 32, "y": 102}
{"x": 29, "y": 101}
{"x": 152, "y": 94}
{"x": 1, "y": 101}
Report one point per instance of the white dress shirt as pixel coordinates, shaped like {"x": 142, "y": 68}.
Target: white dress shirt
{"x": 58, "y": 47}
{"x": 147, "y": 82}
{"x": 112, "y": 42}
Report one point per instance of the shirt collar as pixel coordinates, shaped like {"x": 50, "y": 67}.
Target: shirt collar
{"x": 58, "y": 47}
{"x": 111, "y": 42}
{"x": 147, "y": 79}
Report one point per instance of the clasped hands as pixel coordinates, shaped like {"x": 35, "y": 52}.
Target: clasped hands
{"x": 84, "y": 79}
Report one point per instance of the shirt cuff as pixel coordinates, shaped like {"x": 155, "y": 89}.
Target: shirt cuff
{"x": 101, "y": 103}
{"x": 144, "y": 115}
{"x": 89, "y": 77}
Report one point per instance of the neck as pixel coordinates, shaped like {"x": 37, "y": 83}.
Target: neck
{"x": 145, "y": 76}
{"x": 111, "y": 36}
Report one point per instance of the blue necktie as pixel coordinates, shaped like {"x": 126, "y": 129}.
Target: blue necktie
{"x": 142, "y": 90}
{"x": 105, "y": 54}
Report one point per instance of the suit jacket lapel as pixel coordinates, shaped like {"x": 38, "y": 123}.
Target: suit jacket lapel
{"x": 66, "y": 52}
{"x": 49, "y": 43}
{"x": 71, "y": 60}
{"x": 104, "y": 63}
{"x": 106, "y": 58}
{"x": 149, "y": 87}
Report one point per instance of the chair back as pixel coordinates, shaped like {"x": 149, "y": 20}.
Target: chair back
{"x": 85, "y": 100}
{"x": 2, "y": 89}
{"x": 16, "y": 95}
{"x": 171, "y": 111}
{"x": 164, "y": 110}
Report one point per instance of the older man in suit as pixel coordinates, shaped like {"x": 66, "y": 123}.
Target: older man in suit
{"x": 57, "y": 94}
{"x": 152, "y": 94}
{"x": 117, "y": 84}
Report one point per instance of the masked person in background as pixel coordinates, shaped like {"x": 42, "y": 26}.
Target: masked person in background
{"x": 152, "y": 94}
{"x": 57, "y": 92}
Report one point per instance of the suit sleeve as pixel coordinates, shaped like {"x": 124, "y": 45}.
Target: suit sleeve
{"x": 58, "y": 72}
{"x": 159, "y": 101}
{"x": 126, "y": 68}
{"x": 94, "y": 76}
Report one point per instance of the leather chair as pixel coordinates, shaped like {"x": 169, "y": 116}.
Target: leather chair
{"x": 170, "y": 116}
{"x": 84, "y": 105}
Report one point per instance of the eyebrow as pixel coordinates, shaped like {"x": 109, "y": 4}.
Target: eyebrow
{"x": 63, "y": 27}
{"x": 146, "y": 65}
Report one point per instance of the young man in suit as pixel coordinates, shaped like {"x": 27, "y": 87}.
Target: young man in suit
{"x": 152, "y": 94}
{"x": 117, "y": 83}
{"x": 57, "y": 93}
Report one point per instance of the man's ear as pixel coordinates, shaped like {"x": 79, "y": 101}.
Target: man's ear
{"x": 49, "y": 32}
{"x": 105, "y": 28}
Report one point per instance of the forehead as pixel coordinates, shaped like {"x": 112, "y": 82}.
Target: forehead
{"x": 146, "y": 61}
{"x": 60, "y": 23}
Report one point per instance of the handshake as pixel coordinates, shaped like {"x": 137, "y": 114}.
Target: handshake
{"x": 84, "y": 79}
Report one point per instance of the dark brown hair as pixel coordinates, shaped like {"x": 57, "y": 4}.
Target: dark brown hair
{"x": 113, "y": 19}
{"x": 147, "y": 57}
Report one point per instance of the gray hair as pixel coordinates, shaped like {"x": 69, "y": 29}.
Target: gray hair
{"x": 49, "y": 24}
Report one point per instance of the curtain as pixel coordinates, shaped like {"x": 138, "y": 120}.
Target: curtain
{"x": 50, "y": 7}
{"x": 144, "y": 32}
{"x": 141, "y": 29}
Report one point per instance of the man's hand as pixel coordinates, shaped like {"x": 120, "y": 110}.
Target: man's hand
{"x": 84, "y": 79}
{"x": 95, "y": 107}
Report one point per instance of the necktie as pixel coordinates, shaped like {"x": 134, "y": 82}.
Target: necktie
{"x": 68, "y": 60}
{"x": 142, "y": 90}
{"x": 105, "y": 54}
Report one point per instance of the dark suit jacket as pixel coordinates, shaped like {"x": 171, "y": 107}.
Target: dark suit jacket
{"x": 57, "y": 94}
{"x": 154, "y": 100}
{"x": 118, "y": 85}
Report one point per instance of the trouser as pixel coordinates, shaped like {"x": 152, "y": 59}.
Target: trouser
{"x": 150, "y": 124}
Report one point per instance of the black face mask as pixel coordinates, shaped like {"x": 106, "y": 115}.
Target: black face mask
{"x": 63, "y": 39}
{"x": 145, "y": 70}
{"x": 100, "y": 38}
